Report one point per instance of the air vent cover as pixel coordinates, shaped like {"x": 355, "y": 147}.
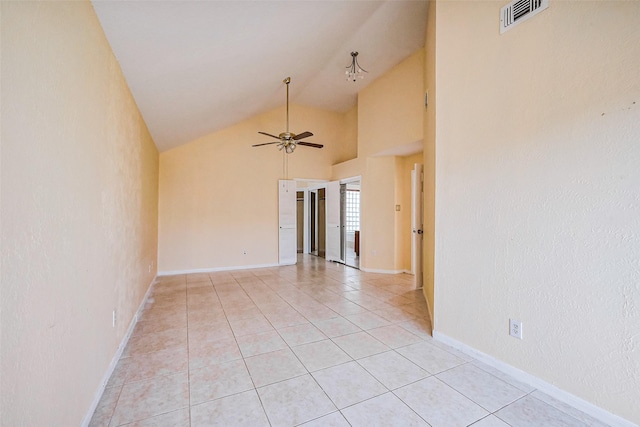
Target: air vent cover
{"x": 519, "y": 11}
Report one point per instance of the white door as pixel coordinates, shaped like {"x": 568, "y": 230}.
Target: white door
{"x": 416, "y": 224}
{"x": 332, "y": 206}
{"x": 287, "y": 222}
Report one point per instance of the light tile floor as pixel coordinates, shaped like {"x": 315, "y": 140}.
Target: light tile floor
{"x": 315, "y": 344}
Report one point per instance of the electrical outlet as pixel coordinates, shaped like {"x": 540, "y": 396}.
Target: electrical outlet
{"x": 515, "y": 328}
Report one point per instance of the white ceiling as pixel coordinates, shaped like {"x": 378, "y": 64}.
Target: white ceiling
{"x": 195, "y": 67}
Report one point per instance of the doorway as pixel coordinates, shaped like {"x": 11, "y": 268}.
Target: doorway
{"x": 332, "y": 221}
{"x": 417, "y": 206}
{"x": 322, "y": 223}
{"x": 313, "y": 222}
{"x": 300, "y": 221}
{"x": 350, "y": 223}
{"x": 317, "y": 222}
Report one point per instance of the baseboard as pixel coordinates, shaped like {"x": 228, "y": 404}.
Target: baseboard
{"x": 381, "y": 271}
{"x": 249, "y": 267}
{"x": 116, "y": 358}
{"x": 214, "y": 269}
{"x": 533, "y": 381}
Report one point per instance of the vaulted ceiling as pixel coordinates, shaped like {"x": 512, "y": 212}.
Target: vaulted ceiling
{"x": 195, "y": 67}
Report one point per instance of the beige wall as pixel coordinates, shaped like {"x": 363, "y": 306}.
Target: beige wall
{"x": 538, "y": 194}
{"x": 390, "y": 109}
{"x": 378, "y": 216}
{"x": 218, "y": 195}
{"x": 349, "y": 145}
{"x": 79, "y": 211}
{"x": 348, "y": 169}
{"x": 429, "y": 157}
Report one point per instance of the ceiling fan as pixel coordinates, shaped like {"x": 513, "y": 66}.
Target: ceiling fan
{"x": 287, "y": 140}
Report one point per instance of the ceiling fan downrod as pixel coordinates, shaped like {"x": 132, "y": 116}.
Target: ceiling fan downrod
{"x": 287, "y": 81}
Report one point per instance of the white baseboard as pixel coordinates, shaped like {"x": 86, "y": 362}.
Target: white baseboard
{"x": 382, "y": 271}
{"x": 114, "y": 361}
{"x": 535, "y": 382}
{"x": 249, "y": 267}
{"x": 214, "y": 269}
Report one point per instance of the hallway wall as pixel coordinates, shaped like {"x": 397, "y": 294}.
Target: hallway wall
{"x": 538, "y": 192}
{"x": 78, "y": 201}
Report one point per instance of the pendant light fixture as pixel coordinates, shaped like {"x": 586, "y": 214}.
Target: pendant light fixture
{"x": 354, "y": 70}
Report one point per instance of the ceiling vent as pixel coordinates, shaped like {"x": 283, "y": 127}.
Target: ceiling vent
{"x": 519, "y": 11}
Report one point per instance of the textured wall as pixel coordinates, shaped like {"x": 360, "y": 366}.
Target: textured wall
{"x": 390, "y": 109}
{"x": 349, "y": 145}
{"x": 79, "y": 211}
{"x": 538, "y": 192}
{"x": 218, "y": 195}
{"x": 377, "y": 214}
{"x": 429, "y": 156}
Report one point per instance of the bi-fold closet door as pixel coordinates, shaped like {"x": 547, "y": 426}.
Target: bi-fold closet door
{"x": 334, "y": 230}
{"x": 287, "y": 238}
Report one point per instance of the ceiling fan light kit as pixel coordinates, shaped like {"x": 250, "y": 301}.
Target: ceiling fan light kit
{"x": 288, "y": 141}
{"x": 354, "y": 70}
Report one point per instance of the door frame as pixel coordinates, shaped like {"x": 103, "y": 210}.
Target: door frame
{"x": 417, "y": 223}
{"x": 346, "y": 181}
{"x": 313, "y": 185}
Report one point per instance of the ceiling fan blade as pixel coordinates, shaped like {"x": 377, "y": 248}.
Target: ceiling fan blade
{"x": 303, "y": 135}
{"x": 268, "y": 134}
{"x": 266, "y": 143}
{"x": 309, "y": 144}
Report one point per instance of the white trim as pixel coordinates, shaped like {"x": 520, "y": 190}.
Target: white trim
{"x": 317, "y": 185}
{"x": 382, "y": 271}
{"x": 114, "y": 361}
{"x": 214, "y": 269}
{"x": 311, "y": 181}
{"x": 352, "y": 179}
{"x": 533, "y": 381}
